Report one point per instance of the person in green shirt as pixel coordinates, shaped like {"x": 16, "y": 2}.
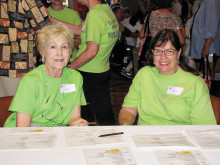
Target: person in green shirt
{"x": 168, "y": 92}
{"x": 51, "y": 94}
{"x": 98, "y": 37}
{"x": 66, "y": 15}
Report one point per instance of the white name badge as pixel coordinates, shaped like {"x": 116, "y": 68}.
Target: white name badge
{"x": 175, "y": 90}
{"x": 67, "y": 88}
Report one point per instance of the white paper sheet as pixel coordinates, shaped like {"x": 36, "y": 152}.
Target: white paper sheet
{"x": 171, "y": 157}
{"x": 28, "y": 141}
{"x": 109, "y": 156}
{"x": 161, "y": 140}
{"x": 206, "y": 139}
{"x": 86, "y": 136}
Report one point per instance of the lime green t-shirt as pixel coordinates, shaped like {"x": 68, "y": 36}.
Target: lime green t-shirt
{"x": 50, "y": 101}
{"x": 66, "y": 15}
{"x": 69, "y": 16}
{"x": 178, "y": 99}
{"x": 102, "y": 28}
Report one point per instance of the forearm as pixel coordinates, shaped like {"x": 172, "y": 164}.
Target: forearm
{"x": 84, "y": 58}
{"x": 23, "y": 119}
{"x": 126, "y": 117}
{"x": 75, "y": 119}
{"x": 90, "y": 52}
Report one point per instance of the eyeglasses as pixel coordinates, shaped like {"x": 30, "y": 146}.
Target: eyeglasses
{"x": 168, "y": 52}
{"x": 49, "y": 119}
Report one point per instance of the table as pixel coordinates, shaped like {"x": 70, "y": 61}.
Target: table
{"x": 62, "y": 154}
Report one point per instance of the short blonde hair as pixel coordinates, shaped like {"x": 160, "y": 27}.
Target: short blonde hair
{"x": 52, "y": 30}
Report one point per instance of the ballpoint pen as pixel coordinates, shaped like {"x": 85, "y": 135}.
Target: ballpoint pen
{"x": 112, "y": 134}
{"x": 91, "y": 123}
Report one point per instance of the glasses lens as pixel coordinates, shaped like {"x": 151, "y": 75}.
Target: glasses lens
{"x": 169, "y": 52}
{"x": 157, "y": 52}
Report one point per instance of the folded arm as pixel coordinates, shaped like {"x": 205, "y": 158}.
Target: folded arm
{"x": 127, "y": 115}
{"x": 75, "y": 119}
{"x": 23, "y": 120}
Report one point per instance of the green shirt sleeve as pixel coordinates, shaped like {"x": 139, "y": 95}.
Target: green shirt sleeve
{"x": 132, "y": 98}
{"x": 201, "y": 111}
{"x": 24, "y": 99}
{"x": 94, "y": 28}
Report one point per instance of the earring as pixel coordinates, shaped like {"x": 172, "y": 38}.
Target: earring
{"x": 43, "y": 59}
{"x": 178, "y": 62}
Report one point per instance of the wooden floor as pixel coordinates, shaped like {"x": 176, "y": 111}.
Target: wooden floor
{"x": 119, "y": 86}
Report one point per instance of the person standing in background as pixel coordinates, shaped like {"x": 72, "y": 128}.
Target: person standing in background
{"x": 98, "y": 37}
{"x": 205, "y": 33}
{"x": 19, "y": 21}
{"x": 62, "y": 13}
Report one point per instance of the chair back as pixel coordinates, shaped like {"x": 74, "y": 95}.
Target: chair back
{"x": 4, "y": 105}
{"x": 216, "y": 107}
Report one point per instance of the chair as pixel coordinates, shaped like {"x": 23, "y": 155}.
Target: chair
{"x": 216, "y": 107}
{"x": 4, "y": 105}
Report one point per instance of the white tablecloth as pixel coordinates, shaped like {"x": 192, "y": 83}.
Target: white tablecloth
{"x": 64, "y": 155}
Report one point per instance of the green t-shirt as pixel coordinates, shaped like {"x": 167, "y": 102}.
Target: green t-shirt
{"x": 50, "y": 101}
{"x": 178, "y": 99}
{"x": 69, "y": 16}
{"x": 66, "y": 15}
{"x": 102, "y": 28}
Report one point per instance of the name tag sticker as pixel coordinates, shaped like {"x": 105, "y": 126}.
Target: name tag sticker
{"x": 67, "y": 88}
{"x": 175, "y": 90}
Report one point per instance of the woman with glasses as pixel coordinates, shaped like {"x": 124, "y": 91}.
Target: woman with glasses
{"x": 168, "y": 92}
{"x": 51, "y": 94}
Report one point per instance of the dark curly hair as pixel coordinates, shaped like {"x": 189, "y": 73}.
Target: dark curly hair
{"x": 161, "y": 38}
{"x": 163, "y": 4}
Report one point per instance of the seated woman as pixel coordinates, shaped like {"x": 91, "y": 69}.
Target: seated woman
{"x": 51, "y": 94}
{"x": 168, "y": 92}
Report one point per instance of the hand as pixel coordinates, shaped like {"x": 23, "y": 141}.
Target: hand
{"x": 205, "y": 52}
{"x": 77, "y": 42}
{"x": 79, "y": 122}
{"x": 80, "y": 28}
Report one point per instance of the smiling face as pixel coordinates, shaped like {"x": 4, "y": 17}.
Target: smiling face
{"x": 167, "y": 65}
{"x": 57, "y": 53}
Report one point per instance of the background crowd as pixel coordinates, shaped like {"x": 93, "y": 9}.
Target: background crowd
{"x": 171, "y": 42}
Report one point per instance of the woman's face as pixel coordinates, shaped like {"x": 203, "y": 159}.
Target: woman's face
{"x": 57, "y": 53}
{"x": 166, "y": 64}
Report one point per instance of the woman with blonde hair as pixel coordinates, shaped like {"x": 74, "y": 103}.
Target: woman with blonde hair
{"x": 51, "y": 94}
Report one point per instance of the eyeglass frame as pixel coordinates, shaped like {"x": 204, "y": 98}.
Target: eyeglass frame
{"x": 51, "y": 120}
{"x": 174, "y": 50}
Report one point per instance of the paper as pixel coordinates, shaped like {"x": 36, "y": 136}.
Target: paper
{"x": 161, "y": 140}
{"x": 109, "y": 156}
{"x": 28, "y": 141}
{"x": 30, "y": 129}
{"x": 86, "y": 136}
{"x": 170, "y": 157}
{"x": 206, "y": 139}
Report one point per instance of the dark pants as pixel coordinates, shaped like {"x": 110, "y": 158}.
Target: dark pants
{"x": 96, "y": 90}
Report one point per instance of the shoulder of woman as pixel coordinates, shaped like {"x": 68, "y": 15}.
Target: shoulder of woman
{"x": 34, "y": 74}
{"x": 73, "y": 72}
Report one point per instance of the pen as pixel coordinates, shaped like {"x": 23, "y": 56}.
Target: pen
{"x": 91, "y": 123}
{"x": 111, "y": 134}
